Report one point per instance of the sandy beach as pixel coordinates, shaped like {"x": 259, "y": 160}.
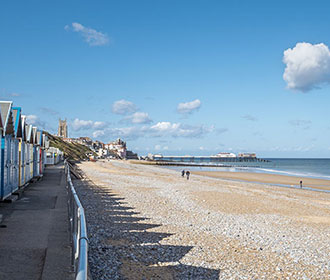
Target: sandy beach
{"x": 269, "y": 179}
{"x": 147, "y": 222}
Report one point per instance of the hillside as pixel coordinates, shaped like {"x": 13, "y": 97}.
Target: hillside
{"x": 72, "y": 151}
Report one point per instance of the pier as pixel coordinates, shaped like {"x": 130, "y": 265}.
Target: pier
{"x": 204, "y": 159}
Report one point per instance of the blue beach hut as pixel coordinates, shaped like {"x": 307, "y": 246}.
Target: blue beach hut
{"x": 7, "y": 185}
{"x": 17, "y": 121}
{"x": 39, "y": 143}
{"x": 29, "y": 148}
{"x": 1, "y": 160}
{"x": 22, "y": 153}
{"x": 35, "y": 151}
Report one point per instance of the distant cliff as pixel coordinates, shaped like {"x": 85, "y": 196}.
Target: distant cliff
{"x": 73, "y": 151}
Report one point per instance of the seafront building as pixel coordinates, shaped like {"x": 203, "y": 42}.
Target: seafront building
{"x": 116, "y": 149}
{"x": 225, "y": 155}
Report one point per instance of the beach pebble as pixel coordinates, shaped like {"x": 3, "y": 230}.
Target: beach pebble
{"x": 141, "y": 218}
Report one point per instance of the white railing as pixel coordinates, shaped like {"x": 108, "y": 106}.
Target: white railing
{"x": 78, "y": 230}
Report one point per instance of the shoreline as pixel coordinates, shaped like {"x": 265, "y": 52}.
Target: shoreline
{"x": 252, "y": 177}
{"x": 268, "y": 178}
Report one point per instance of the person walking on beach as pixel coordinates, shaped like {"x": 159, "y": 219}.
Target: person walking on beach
{"x": 182, "y": 173}
{"x": 188, "y": 174}
{"x": 301, "y": 184}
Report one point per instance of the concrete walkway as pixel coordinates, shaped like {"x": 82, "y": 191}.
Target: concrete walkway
{"x": 34, "y": 235}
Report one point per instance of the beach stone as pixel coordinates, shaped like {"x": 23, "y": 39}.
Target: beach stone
{"x": 143, "y": 218}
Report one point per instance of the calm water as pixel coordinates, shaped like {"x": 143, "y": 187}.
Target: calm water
{"x": 314, "y": 168}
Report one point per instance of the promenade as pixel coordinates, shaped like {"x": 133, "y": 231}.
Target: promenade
{"x": 34, "y": 235}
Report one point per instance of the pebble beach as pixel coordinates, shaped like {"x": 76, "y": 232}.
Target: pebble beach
{"x": 147, "y": 222}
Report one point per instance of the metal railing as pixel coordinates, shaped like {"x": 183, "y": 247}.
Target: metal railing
{"x": 78, "y": 230}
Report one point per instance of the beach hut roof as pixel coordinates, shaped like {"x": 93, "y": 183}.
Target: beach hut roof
{"x": 34, "y": 135}
{"x": 17, "y": 121}
{"x": 23, "y": 125}
{"x": 28, "y": 129}
{"x": 7, "y": 117}
{"x": 39, "y": 137}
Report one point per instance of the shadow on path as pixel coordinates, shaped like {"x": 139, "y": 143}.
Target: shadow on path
{"x": 122, "y": 245}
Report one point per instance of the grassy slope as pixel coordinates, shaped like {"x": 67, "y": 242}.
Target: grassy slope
{"x": 71, "y": 151}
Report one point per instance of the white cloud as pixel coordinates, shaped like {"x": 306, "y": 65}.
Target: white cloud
{"x": 138, "y": 118}
{"x": 35, "y": 121}
{"x": 123, "y": 107}
{"x": 159, "y": 148}
{"x": 31, "y": 119}
{"x": 304, "y": 124}
{"x": 91, "y": 36}
{"x": 15, "y": 94}
{"x": 83, "y": 125}
{"x": 189, "y": 107}
{"x": 98, "y": 133}
{"x": 179, "y": 130}
{"x": 128, "y": 132}
{"x": 250, "y": 118}
{"x": 161, "y": 129}
{"x": 98, "y": 125}
{"x": 307, "y": 66}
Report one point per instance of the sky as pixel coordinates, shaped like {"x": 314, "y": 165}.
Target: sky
{"x": 173, "y": 77}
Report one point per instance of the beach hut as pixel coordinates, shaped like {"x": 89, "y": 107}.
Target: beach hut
{"x": 23, "y": 152}
{"x": 35, "y": 151}
{"x": 16, "y": 156}
{"x": 29, "y": 161}
{"x": 6, "y": 149}
{"x": 1, "y": 154}
{"x": 38, "y": 148}
{"x": 44, "y": 145}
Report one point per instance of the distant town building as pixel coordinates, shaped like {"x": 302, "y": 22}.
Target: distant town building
{"x": 131, "y": 155}
{"x": 117, "y": 147}
{"x": 62, "y": 129}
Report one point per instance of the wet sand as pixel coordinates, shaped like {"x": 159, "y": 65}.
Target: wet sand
{"x": 268, "y": 179}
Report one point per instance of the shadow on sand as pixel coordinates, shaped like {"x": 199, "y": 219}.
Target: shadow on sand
{"x": 122, "y": 245}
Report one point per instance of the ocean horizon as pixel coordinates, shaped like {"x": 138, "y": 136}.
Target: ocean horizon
{"x": 318, "y": 168}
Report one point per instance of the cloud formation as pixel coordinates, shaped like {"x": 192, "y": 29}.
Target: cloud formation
{"x": 304, "y": 124}
{"x": 138, "y": 118}
{"x": 91, "y": 36}
{"x": 250, "y": 118}
{"x": 189, "y": 107}
{"x": 35, "y": 121}
{"x": 123, "y": 107}
{"x": 84, "y": 125}
{"x": 161, "y": 129}
{"x": 307, "y": 66}
{"x": 178, "y": 130}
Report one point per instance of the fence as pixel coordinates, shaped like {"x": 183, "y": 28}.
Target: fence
{"x": 78, "y": 230}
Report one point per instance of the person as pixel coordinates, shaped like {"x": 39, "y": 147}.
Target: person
{"x": 188, "y": 174}
{"x": 301, "y": 184}
{"x": 182, "y": 173}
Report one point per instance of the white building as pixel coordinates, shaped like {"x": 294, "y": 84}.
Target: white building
{"x": 225, "y": 155}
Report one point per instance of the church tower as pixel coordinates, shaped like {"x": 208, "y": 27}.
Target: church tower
{"x": 62, "y": 129}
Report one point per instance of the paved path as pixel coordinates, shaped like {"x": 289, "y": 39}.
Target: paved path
{"x": 34, "y": 235}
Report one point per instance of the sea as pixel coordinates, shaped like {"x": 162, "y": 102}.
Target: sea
{"x": 300, "y": 167}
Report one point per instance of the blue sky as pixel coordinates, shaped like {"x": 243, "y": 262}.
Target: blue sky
{"x": 175, "y": 77}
